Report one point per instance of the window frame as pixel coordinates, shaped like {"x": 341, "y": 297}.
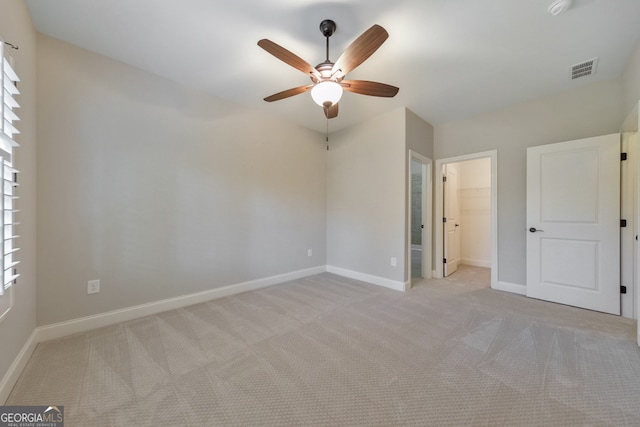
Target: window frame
{"x": 8, "y": 175}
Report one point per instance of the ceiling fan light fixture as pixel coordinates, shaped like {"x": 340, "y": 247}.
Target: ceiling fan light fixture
{"x": 326, "y": 92}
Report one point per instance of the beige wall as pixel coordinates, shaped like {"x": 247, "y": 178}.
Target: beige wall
{"x": 15, "y": 329}
{"x": 420, "y": 139}
{"x": 588, "y": 111}
{"x": 365, "y": 197}
{"x": 419, "y": 135}
{"x": 159, "y": 191}
{"x": 631, "y": 82}
{"x": 367, "y": 183}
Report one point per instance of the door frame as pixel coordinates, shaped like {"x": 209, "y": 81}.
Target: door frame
{"x": 438, "y": 212}
{"x": 427, "y": 208}
{"x": 450, "y": 250}
{"x": 632, "y": 124}
{"x": 628, "y": 210}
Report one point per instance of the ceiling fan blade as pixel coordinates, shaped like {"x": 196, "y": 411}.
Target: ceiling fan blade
{"x": 287, "y": 93}
{"x": 361, "y": 48}
{"x": 331, "y": 112}
{"x": 288, "y": 57}
{"x": 364, "y": 87}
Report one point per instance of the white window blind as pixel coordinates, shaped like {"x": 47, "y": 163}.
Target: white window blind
{"x": 8, "y": 130}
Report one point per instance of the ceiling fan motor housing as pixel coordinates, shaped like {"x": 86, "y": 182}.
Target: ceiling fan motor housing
{"x": 327, "y": 27}
{"x": 324, "y": 68}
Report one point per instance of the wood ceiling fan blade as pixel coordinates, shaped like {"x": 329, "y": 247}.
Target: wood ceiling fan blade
{"x": 361, "y": 49}
{"x": 331, "y": 112}
{"x": 364, "y": 87}
{"x": 288, "y": 57}
{"x": 288, "y": 93}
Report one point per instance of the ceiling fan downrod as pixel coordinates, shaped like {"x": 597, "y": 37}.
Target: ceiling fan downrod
{"x": 327, "y": 28}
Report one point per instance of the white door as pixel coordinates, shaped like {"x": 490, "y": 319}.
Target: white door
{"x": 451, "y": 221}
{"x": 573, "y": 221}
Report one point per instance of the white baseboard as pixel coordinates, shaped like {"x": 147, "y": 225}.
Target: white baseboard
{"x": 58, "y": 330}
{"x": 475, "y": 262}
{"x": 375, "y": 280}
{"x": 514, "y": 288}
{"x": 14, "y": 371}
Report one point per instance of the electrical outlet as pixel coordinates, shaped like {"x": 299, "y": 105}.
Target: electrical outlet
{"x": 309, "y": 252}
{"x": 93, "y": 287}
{"x": 394, "y": 261}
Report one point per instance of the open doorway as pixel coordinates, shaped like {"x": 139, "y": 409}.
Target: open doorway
{"x": 465, "y": 221}
{"x": 420, "y": 207}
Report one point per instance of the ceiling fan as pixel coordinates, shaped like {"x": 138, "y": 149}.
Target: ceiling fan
{"x": 328, "y": 77}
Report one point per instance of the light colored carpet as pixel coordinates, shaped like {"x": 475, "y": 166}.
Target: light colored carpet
{"x": 471, "y": 276}
{"x": 330, "y": 351}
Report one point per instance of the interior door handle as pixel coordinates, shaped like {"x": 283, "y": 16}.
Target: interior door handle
{"x": 535, "y": 230}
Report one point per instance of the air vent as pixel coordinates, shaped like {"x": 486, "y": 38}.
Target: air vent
{"x": 584, "y": 69}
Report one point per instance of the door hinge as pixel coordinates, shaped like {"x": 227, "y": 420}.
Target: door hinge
{"x": 623, "y": 157}
{"x": 444, "y": 179}
{"x": 623, "y": 223}
{"x": 444, "y": 219}
{"x": 623, "y": 289}
{"x": 421, "y": 225}
{"x": 444, "y": 260}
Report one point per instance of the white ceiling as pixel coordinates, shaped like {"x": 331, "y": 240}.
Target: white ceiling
{"x": 451, "y": 59}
